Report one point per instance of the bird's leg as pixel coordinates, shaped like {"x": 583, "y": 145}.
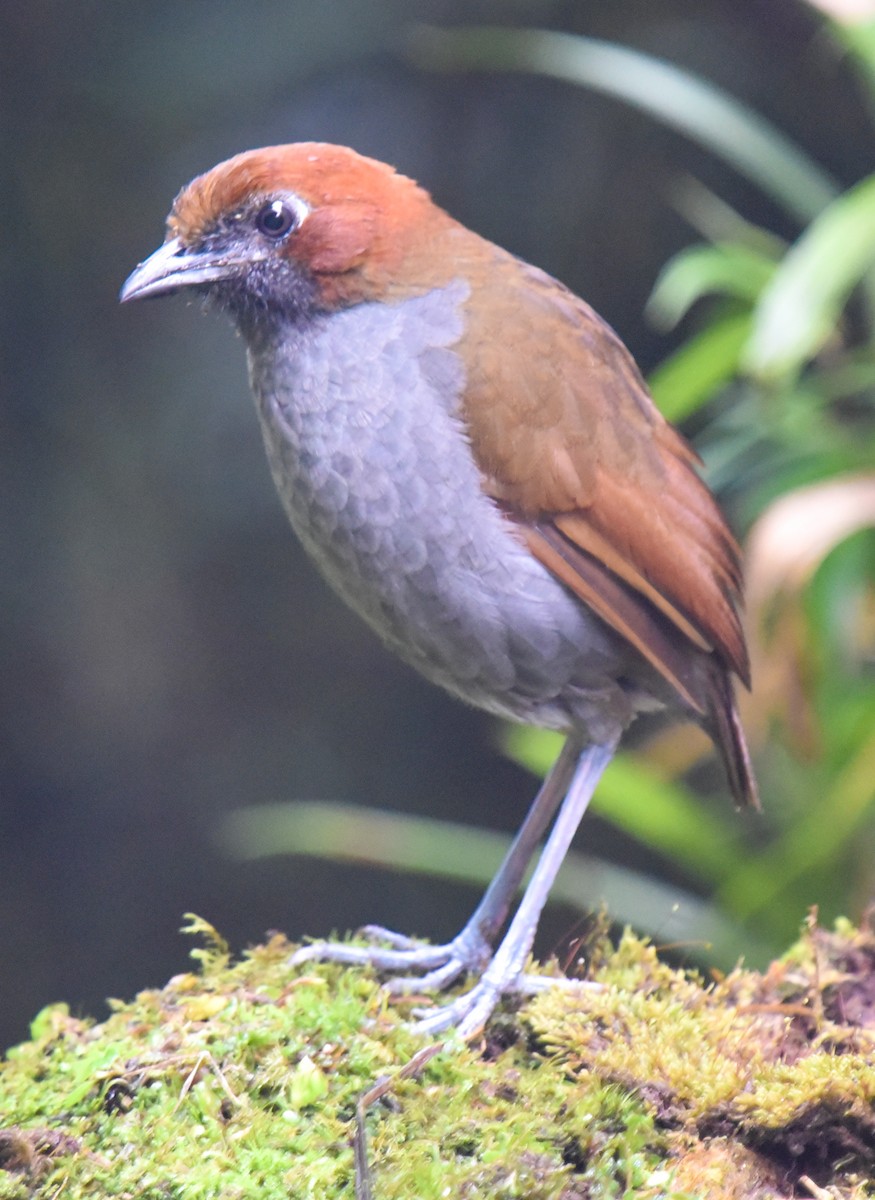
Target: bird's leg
{"x": 471, "y": 949}
{"x": 504, "y": 975}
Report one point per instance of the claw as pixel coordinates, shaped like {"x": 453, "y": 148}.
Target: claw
{"x": 381, "y": 958}
{"x": 467, "y": 1014}
{"x": 470, "y": 1012}
{"x": 437, "y": 966}
{"x": 432, "y": 981}
{"x": 398, "y": 941}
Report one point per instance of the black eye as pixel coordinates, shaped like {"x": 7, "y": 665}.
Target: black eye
{"x": 275, "y": 219}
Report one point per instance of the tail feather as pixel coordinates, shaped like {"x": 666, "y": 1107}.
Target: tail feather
{"x": 724, "y": 725}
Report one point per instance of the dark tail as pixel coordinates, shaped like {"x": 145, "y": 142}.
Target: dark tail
{"x": 724, "y": 726}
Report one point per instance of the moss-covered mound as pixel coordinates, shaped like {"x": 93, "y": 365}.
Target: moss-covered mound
{"x": 256, "y": 1079}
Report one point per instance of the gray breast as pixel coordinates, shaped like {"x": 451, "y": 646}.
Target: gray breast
{"x": 360, "y": 419}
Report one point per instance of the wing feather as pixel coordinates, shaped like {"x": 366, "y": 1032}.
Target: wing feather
{"x": 604, "y": 491}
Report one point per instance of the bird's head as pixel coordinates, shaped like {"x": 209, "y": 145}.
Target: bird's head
{"x": 298, "y": 229}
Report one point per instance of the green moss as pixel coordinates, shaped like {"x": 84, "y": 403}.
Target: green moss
{"x": 771, "y": 1060}
{"x": 244, "y": 1080}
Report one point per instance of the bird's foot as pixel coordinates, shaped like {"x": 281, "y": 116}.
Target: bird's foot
{"x": 468, "y": 1013}
{"x": 420, "y": 967}
{"x": 416, "y": 966}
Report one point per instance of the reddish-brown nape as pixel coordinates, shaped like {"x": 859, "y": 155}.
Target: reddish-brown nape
{"x": 370, "y": 231}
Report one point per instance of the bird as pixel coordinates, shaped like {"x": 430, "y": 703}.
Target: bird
{"x": 472, "y": 459}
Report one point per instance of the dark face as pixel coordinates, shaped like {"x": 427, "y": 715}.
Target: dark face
{"x": 243, "y": 263}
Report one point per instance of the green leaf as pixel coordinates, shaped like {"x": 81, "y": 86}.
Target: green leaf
{"x": 701, "y": 111}
{"x": 724, "y": 270}
{"x": 718, "y": 222}
{"x": 799, "y": 309}
{"x": 307, "y": 1084}
{"x": 694, "y": 373}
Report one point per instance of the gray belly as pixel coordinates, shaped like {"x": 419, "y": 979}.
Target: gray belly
{"x": 368, "y": 454}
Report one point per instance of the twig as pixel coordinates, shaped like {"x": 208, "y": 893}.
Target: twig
{"x": 383, "y": 1085}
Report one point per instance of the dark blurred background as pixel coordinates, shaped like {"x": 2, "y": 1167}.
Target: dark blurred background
{"x": 167, "y": 654}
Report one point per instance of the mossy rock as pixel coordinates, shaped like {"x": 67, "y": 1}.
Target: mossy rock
{"x": 257, "y": 1079}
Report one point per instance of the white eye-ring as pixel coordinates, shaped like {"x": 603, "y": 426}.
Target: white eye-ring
{"x": 279, "y": 217}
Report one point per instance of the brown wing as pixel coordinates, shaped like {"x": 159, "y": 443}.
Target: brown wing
{"x": 603, "y": 489}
